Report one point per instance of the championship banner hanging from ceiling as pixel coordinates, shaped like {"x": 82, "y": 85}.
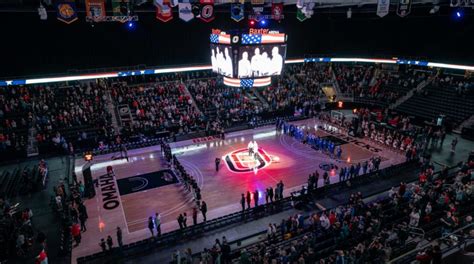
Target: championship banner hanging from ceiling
{"x": 300, "y": 15}
{"x": 95, "y": 9}
{"x": 66, "y": 11}
{"x": 120, "y": 7}
{"x": 383, "y": 7}
{"x": 164, "y": 11}
{"x": 257, "y": 12}
{"x": 207, "y": 10}
{"x": 185, "y": 11}
{"x": 174, "y": 3}
{"x": 277, "y": 11}
{"x": 196, "y": 9}
{"x": 157, "y": 3}
{"x": 237, "y": 12}
{"x": 403, "y": 8}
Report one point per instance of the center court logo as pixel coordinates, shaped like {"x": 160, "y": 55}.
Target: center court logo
{"x": 240, "y": 161}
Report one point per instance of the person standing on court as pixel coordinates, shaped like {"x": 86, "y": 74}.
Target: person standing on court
{"x": 242, "y": 202}
{"x": 119, "y": 237}
{"x": 218, "y": 162}
{"x": 270, "y": 194}
{"x": 110, "y": 243}
{"x": 453, "y": 145}
{"x": 180, "y": 221}
{"x": 248, "y": 200}
{"x": 158, "y": 224}
{"x": 151, "y": 226}
{"x": 281, "y": 189}
{"x": 255, "y": 198}
{"x": 185, "y": 220}
{"x": 195, "y": 215}
{"x": 204, "y": 210}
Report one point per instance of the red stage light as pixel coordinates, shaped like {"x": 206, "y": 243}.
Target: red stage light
{"x": 340, "y": 104}
{"x": 252, "y": 23}
{"x": 101, "y": 225}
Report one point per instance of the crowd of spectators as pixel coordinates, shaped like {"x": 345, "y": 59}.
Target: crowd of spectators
{"x": 462, "y": 86}
{"x": 226, "y": 105}
{"x": 75, "y": 115}
{"x": 375, "y": 232}
{"x": 158, "y": 106}
{"x": 391, "y": 85}
{"x": 353, "y": 78}
{"x": 297, "y": 91}
{"x": 55, "y": 111}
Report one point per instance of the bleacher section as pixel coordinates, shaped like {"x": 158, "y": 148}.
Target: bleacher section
{"x": 385, "y": 232}
{"x": 441, "y": 98}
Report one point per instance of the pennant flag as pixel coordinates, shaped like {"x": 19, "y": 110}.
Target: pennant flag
{"x": 207, "y": 10}
{"x": 185, "y": 11}
{"x": 196, "y": 9}
{"x": 164, "y": 12}
{"x": 157, "y": 3}
{"x": 120, "y": 7}
{"x": 403, "y": 8}
{"x": 300, "y": 15}
{"x": 277, "y": 11}
{"x": 383, "y": 7}
{"x": 174, "y": 3}
{"x": 66, "y": 11}
{"x": 237, "y": 12}
{"x": 257, "y": 12}
{"x": 95, "y": 9}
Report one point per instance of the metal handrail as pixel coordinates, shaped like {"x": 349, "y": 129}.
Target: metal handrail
{"x": 414, "y": 251}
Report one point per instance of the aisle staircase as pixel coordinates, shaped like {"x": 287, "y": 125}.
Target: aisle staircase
{"x": 467, "y": 123}
{"x": 410, "y": 93}
{"x": 187, "y": 93}
{"x": 113, "y": 111}
{"x": 32, "y": 145}
{"x": 261, "y": 98}
{"x": 347, "y": 97}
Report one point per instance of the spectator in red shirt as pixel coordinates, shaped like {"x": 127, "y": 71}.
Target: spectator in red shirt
{"x": 76, "y": 233}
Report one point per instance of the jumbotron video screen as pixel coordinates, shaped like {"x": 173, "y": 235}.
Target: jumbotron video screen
{"x": 221, "y": 59}
{"x": 260, "y": 60}
{"x": 248, "y": 55}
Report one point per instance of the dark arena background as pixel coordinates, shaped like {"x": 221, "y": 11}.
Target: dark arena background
{"x": 329, "y": 131}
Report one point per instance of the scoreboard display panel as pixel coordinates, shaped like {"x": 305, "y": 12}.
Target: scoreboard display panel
{"x": 261, "y": 60}
{"x": 256, "y": 53}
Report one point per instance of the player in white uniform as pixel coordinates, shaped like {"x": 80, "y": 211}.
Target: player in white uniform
{"x": 250, "y": 147}
{"x": 255, "y": 150}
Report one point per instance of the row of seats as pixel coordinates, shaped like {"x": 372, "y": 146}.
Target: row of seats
{"x": 439, "y": 99}
{"x": 325, "y": 244}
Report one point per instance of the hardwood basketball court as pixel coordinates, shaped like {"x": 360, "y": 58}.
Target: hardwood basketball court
{"x": 145, "y": 185}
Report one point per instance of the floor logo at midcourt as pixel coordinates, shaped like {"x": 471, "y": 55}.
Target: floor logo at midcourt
{"x": 241, "y": 161}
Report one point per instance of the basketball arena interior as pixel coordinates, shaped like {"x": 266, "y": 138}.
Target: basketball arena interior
{"x": 219, "y": 132}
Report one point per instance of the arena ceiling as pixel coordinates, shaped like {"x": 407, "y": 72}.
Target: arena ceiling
{"x": 221, "y": 5}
